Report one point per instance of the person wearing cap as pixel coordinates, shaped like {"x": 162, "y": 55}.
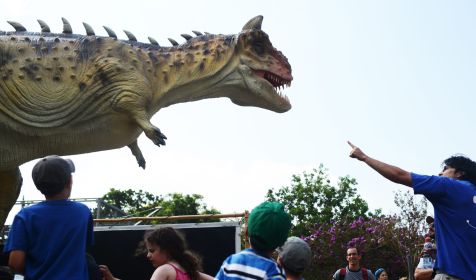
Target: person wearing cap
{"x": 268, "y": 228}
{"x": 381, "y": 274}
{"x": 48, "y": 240}
{"x": 453, "y": 196}
{"x": 294, "y": 257}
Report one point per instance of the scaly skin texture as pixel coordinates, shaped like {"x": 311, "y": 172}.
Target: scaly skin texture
{"x": 69, "y": 94}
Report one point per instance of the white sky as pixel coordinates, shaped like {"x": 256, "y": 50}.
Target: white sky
{"x": 396, "y": 77}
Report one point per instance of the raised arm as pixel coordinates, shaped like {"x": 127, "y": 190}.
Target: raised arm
{"x": 392, "y": 173}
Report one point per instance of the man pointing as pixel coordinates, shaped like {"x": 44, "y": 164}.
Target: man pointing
{"x": 453, "y": 196}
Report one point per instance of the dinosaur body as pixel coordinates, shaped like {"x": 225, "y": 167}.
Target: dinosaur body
{"x": 69, "y": 94}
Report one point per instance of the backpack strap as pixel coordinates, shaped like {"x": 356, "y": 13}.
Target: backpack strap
{"x": 342, "y": 273}
{"x": 365, "y": 273}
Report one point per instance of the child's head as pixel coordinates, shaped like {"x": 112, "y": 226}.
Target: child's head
{"x": 166, "y": 244}
{"x": 268, "y": 226}
{"x": 294, "y": 256}
{"x": 52, "y": 174}
{"x": 168, "y": 240}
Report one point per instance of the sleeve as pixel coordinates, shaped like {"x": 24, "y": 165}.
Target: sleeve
{"x": 17, "y": 237}
{"x": 336, "y": 275}
{"x": 432, "y": 187}
{"x": 221, "y": 274}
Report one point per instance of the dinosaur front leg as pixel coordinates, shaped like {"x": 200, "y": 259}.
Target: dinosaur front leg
{"x": 136, "y": 108}
{"x": 10, "y": 185}
{"x": 152, "y": 132}
{"x": 137, "y": 153}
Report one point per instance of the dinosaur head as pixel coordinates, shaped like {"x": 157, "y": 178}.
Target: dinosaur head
{"x": 264, "y": 70}
{"x": 244, "y": 67}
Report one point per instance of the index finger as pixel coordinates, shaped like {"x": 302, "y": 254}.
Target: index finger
{"x": 350, "y": 144}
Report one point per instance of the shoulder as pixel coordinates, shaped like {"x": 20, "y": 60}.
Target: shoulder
{"x": 243, "y": 255}
{"x": 79, "y": 207}
{"x": 77, "y": 204}
{"x": 259, "y": 267}
{"x": 431, "y": 185}
{"x": 164, "y": 272}
{"x": 337, "y": 273}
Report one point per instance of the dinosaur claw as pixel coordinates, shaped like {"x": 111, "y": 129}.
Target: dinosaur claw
{"x": 159, "y": 138}
{"x": 141, "y": 163}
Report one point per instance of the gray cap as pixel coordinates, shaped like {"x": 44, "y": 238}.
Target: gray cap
{"x": 295, "y": 254}
{"x": 51, "y": 174}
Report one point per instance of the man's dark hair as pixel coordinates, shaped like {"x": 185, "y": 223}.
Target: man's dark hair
{"x": 464, "y": 165}
{"x": 353, "y": 247}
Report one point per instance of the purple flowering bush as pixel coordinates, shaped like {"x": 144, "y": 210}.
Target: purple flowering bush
{"x": 331, "y": 216}
{"x": 381, "y": 242}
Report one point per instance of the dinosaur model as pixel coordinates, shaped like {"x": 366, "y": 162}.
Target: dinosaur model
{"x": 69, "y": 94}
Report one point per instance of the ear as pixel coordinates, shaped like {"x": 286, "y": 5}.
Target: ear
{"x": 459, "y": 174}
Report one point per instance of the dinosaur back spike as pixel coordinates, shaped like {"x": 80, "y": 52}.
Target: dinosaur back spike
{"x": 254, "y": 23}
{"x": 18, "y": 27}
{"x": 89, "y": 29}
{"x": 130, "y": 36}
{"x": 44, "y": 27}
{"x": 153, "y": 41}
{"x": 198, "y": 33}
{"x": 110, "y": 32}
{"x": 173, "y": 42}
{"x": 66, "y": 26}
{"x": 186, "y": 36}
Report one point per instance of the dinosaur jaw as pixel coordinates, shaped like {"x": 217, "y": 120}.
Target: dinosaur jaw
{"x": 264, "y": 90}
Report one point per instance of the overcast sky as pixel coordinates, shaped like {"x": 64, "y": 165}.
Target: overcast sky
{"x": 397, "y": 78}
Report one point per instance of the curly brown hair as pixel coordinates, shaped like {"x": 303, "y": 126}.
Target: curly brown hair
{"x": 173, "y": 242}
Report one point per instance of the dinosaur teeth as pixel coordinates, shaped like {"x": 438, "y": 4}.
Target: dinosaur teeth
{"x": 274, "y": 79}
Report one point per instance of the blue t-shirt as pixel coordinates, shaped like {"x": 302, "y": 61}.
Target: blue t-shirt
{"x": 454, "y": 202}
{"x": 248, "y": 264}
{"x": 54, "y": 235}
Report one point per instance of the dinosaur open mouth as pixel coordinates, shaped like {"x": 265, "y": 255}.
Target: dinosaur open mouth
{"x": 273, "y": 79}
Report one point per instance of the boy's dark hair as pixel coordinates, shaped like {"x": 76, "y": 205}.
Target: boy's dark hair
{"x": 465, "y": 165}
{"x": 173, "y": 242}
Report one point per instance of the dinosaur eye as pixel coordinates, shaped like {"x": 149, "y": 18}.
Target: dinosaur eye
{"x": 258, "y": 47}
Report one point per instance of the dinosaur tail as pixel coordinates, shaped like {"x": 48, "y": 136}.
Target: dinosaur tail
{"x": 10, "y": 186}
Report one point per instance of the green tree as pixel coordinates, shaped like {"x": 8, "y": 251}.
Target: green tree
{"x": 120, "y": 203}
{"x": 312, "y": 199}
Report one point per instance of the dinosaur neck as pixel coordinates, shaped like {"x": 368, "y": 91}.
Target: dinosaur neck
{"x": 189, "y": 72}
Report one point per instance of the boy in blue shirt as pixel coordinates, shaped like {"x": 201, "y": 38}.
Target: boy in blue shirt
{"x": 48, "y": 240}
{"x": 268, "y": 228}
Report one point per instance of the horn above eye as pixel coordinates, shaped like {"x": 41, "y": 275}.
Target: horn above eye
{"x": 254, "y": 23}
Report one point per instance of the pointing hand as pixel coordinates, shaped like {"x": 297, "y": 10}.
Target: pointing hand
{"x": 356, "y": 152}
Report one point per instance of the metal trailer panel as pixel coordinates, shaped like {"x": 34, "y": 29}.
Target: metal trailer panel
{"x": 116, "y": 246}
